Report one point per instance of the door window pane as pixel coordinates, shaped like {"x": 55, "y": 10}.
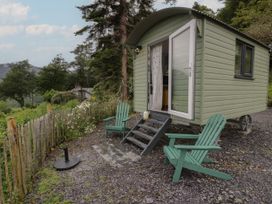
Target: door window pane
{"x": 180, "y": 71}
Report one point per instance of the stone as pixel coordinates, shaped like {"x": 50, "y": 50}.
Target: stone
{"x": 238, "y": 201}
{"x": 149, "y": 200}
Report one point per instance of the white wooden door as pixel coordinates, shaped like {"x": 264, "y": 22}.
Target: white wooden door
{"x": 181, "y": 71}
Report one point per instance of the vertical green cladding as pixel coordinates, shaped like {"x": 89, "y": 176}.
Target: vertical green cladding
{"x": 222, "y": 93}
{"x": 161, "y": 31}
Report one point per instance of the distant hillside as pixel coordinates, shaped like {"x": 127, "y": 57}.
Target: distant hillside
{"x": 4, "y": 69}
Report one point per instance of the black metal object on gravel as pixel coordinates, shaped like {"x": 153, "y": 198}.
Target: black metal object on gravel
{"x": 66, "y": 163}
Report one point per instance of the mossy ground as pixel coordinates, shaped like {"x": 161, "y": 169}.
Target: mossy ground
{"x": 49, "y": 181}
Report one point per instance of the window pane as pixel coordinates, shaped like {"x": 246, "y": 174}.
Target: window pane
{"x": 238, "y": 58}
{"x": 248, "y": 60}
{"x": 180, "y": 72}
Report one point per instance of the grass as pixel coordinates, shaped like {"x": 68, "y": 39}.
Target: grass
{"x": 270, "y": 94}
{"x": 23, "y": 115}
{"x": 49, "y": 182}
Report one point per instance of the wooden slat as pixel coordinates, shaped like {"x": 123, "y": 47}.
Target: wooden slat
{"x": 146, "y": 127}
{"x": 154, "y": 121}
{"x": 29, "y": 149}
{"x": 156, "y": 137}
{"x": 137, "y": 142}
{"x": 151, "y": 140}
{"x": 22, "y": 153}
{"x": 142, "y": 135}
{"x": 35, "y": 143}
{"x": 15, "y": 158}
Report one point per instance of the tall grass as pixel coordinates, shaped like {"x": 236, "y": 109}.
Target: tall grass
{"x": 270, "y": 95}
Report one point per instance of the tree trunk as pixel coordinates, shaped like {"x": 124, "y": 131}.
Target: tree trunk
{"x": 123, "y": 29}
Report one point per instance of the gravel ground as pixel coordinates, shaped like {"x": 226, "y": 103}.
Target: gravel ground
{"x": 147, "y": 180}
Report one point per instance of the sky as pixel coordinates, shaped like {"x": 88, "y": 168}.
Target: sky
{"x": 38, "y": 30}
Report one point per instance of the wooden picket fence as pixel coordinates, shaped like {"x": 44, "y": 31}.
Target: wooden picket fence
{"x": 24, "y": 151}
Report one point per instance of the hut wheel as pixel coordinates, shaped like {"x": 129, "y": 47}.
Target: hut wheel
{"x": 245, "y": 123}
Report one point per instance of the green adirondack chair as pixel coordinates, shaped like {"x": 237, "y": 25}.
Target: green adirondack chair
{"x": 121, "y": 119}
{"x": 192, "y": 156}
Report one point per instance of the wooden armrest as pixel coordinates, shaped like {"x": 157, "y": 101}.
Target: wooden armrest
{"x": 107, "y": 119}
{"x": 126, "y": 119}
{"x": 196, "y": 147}
{"x": 181, "y": 136}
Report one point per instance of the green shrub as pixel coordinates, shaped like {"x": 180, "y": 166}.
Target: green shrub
{"x": 23, "y": 115}
{"x": 4, "y": 107}
{"x": 83, "y": 118}
{"x": 28, "y": 105}
{"x": 47, "y": 96}
{"x": 63, "y": 97}
{"x": 69, "y": 105}
{"x": 3, "y": 127}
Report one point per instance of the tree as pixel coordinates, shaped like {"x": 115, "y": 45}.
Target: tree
{"x": 105, "y": 71}
{"x": 123, "y": 38}
{"x": 82, "y": 74}
{"x": 228, "y": 11}
{"x": 203, "y": 9}
{"x": 19, "y": 82}
{"x": 54, "y": 75}
{"x": 250, "y": 16}
{"x": 255, "y": 19}
{"x": 110, "y": 23}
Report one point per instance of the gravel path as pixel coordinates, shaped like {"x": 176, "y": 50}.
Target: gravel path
{"x": 113, "y": 173}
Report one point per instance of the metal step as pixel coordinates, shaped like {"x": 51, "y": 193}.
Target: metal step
{"x": 137, "y": 142}
{"x": 142, "y": 135}
{"x": 146, "y": 127}
{"x": 155, "y": 121}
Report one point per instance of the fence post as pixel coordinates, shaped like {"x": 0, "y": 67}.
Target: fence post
{"x": 16, "y": 161}
{"x": 49, "y": 108}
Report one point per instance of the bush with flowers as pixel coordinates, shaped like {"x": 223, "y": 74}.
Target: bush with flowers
{"x": 83, "y": 118}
